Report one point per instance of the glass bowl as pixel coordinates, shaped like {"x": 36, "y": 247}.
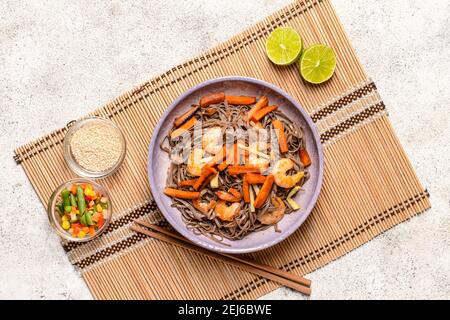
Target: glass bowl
{"x": 72, "y": 162}
{"x": 55, "y": 219}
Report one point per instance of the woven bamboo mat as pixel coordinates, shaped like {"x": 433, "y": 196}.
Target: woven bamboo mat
{"x": 369, "y": 184}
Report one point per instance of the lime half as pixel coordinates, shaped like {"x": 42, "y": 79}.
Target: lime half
{"x": 284, "y": 46}
{"x": 317, "y": 63}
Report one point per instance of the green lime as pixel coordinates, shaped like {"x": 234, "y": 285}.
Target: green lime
{"x": 317, "y": 63}
{"x": 284, "y": 46}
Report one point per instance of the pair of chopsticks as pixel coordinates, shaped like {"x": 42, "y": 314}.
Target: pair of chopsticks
{"x": 282, "y": 277}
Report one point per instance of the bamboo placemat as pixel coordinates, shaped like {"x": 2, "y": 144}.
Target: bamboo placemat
{"x": 369, "y": 184}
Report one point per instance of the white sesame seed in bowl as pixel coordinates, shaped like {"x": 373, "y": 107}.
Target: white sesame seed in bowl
{"x": 94, "y": 147}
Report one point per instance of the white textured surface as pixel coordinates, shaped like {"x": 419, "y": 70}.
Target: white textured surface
{"x": 61, "y": 59}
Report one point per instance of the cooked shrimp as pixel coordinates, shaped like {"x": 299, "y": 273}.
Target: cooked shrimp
{"x": 194, "y": 165}
{"x": 225, "y": 212}
{"x": 212, "y": 140}
{"x": 235, "y": 192}
{"x": 232, "y": 195}
{"x": 203, "y": 207}
{"x": 275, "y": 215}
{"x": 281, "y": 178}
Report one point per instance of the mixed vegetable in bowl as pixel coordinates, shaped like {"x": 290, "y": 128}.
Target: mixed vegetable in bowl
{"x": 82, "y": 210}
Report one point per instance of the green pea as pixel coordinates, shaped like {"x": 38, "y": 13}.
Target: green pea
{"x": 68, "y": 209}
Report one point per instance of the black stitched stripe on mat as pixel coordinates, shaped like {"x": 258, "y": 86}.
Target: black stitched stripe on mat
{"x": 344, "y": 101}
{"x": 352, "y": 121}
{"x": 115, "y": 248}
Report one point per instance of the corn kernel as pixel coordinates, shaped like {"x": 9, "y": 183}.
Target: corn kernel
{"x": 66, "y": 225}
{"x": 81, "y": 234}
{"x": 99, "y": 208}
{"x": 64, "y": 218}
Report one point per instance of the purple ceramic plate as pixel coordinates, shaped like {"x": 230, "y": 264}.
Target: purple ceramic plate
{"x": 158, "y": 162}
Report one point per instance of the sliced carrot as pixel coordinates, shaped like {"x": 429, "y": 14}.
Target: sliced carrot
{"x": 255, "y": 178}
{"x": 185, "y": 116}
{"x": 207, "y": 171}
{"x": 304, "y": 158}
{"x": 263, "y": 112}
{"x": 235, "y": 192}
{"x": 240, "y": 100}
{"x": 238, "y": 169}
{"x": 73, "y": 189}
{"x": 91, "y": 231}
{"x": 183, "y": 128}
{"x": 101, "y": 221}
{"x": 186, "y": 183}
{"x": 212, "y": 98}
{"x": 264, "y": 192}
{"x": 246, "y": 189}
{"x": 174, "y": 193}
{"x": 279, "y": 127}
{"x": 262, "y": 102}
{"x": 222, "y": 166}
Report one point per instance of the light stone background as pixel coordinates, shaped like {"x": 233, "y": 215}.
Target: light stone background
{"x": 61, "y": 59}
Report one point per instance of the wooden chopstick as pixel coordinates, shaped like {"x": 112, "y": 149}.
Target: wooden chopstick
{"x": 282, "y": 273}
{"x": 271, "y": 276}
{"x": 280, "y": 276}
